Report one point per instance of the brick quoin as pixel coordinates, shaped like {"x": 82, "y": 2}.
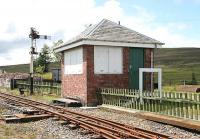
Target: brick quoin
{"x": 147, "y": 64}
{"x": 84, "y": 86}
{"x": 74, "y": 85}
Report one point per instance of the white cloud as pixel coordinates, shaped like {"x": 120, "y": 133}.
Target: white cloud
{"x": 69, "y": 17}
{"x": 167, "y": 33}
{"x": 15, "y": 56}
{"x": 49, "y": 17}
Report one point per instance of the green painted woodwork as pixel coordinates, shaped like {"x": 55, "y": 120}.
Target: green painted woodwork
{"x": 136, "y": 61}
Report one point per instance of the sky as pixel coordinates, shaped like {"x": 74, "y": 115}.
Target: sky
{"x": 173, "y": 22}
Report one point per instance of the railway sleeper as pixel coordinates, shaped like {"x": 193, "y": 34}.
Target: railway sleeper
{"x": 97, "y": 137}
{"x": 101, "y": 129}
{"x": 86, "y": 132}
{"x": 61, "y": 112}
{"x": 31, "y": 112}
{"x": 73, "y": 126}
{"x": 55, "y": 118}
{"x": 63, "y": 122}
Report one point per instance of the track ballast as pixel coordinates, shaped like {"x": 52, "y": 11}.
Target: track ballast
{"x": 105, "y": 128}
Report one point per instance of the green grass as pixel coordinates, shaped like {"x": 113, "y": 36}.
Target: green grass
{"x": 45, "y": 98}
{"x": 169, "y": 88}
{"x": 40, "y": 97}
{"x": 178, "y": 64}
{"x": 47, "y": 76}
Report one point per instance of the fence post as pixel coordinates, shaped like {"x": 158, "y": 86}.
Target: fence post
{"x": 160, "y": 82}
{"x": 12, "y": 83}
{"x": 140, "y": 85}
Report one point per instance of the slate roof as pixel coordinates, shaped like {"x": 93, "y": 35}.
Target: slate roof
{"x": 109, "y": 31}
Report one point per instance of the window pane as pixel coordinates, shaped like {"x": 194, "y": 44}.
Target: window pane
{"x": 66, "y": 62}
{"x": 79, "y": 56}
{"x": 73, "y": 57}
{"x": 79, "y": 61}
{"x": 73, "y": 61}
{"x": 115, "y": 60}
{"x": 100, "y": 59}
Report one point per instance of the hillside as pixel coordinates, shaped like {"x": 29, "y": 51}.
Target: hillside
{"x": 177, "y": 57}
{"x": 23, "y": 68}
{"x": 178, "y": 64}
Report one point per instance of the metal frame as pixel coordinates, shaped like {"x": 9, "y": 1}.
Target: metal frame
{"x": 151, "y": 70}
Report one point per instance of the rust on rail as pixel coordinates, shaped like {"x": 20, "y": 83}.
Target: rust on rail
{"x": 106, "y": 128}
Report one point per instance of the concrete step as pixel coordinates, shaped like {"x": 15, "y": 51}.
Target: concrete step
{"x": 67, "y": 102}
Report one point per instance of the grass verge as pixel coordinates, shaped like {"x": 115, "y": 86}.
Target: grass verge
{"x": 40, "y": 97}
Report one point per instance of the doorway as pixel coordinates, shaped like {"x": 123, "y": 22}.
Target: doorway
{"x": 136, "y": 61}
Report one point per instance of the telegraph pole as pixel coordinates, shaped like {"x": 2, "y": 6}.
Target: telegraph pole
{"x": 34, "y": 35}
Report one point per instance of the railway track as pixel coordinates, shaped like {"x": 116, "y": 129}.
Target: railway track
{"x": 105, "y": 128}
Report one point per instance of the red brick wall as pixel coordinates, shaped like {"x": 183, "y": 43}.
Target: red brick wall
{"x": 84, "y": 86}
{"x": 74, "y": 85}
{"x": 96, "y": 81}
{"x": 147, "y": 64}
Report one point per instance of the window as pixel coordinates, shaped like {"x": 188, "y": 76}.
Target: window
{"x": 108, "y": 60}
{"x": 73, "y": 61}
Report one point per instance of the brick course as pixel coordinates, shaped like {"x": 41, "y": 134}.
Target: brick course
{"x": 96, "y": 81}
{"x": 147, "y": 64}
{"x": 74, "y": 85}
{"x": 84, "y": 86}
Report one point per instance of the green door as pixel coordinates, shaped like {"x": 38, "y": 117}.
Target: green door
{"x": 136, "y": 61}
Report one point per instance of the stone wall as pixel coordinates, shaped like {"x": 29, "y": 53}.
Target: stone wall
{"x": 5, "y": 78}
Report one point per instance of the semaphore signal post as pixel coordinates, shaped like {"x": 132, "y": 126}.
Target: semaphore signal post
{"x": 34, "y": 35}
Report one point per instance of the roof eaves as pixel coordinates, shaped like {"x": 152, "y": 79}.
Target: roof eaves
{"x": 66, "y": 44}
{"x": 156, "y": 42}
{"x": 107, "y": 43}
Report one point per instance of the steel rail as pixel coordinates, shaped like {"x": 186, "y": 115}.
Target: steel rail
{"x": 114, "y": 128}
{"x": 131, "y": 129}
{"x": 103, "y": 130}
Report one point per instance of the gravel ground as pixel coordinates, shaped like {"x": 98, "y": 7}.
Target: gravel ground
{"x": 128, "y": 118}
{"x": 43, "y": 129}
{"x": 50, "y": 129}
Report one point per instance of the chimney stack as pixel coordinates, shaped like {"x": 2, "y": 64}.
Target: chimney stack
{"x": 119, "y": 22}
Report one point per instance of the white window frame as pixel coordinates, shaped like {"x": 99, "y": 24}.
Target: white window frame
{"x": 121, "y": 72}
